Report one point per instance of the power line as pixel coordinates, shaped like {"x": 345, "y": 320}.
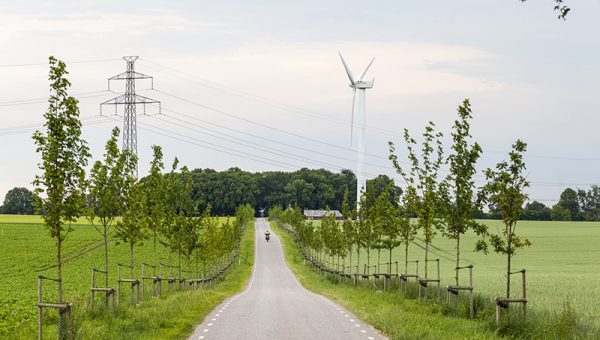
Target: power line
{"x": 83, "y": 95}
{"x": 260, "y": 99}
{"x": 68, "y": 62}
{"x": 264, "y": 125}
{"x": 258, "y": 146}
{"x": 86, "y": 121}
{"x": 212, "y": 146}
{"x": 266, "y": 138}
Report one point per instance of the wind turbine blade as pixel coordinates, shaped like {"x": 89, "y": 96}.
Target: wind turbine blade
{"x": 352, "y": 119}
{"x": 366, "y": 69}
{"x": 347, "y": 69}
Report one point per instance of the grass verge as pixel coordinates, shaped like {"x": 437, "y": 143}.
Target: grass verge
{"x": 171, "y": 317}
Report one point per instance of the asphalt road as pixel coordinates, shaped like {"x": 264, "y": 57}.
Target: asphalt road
{"x": 276, "y": 306}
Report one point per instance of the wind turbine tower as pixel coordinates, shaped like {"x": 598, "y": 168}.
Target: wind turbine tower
{"x": 361, "y": 85}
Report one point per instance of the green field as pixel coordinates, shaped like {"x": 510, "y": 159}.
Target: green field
{"x": 28, "y": 251}
{"x": 562, "y": 266}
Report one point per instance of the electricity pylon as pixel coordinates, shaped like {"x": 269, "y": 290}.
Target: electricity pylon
{"x": 130, "y": 100}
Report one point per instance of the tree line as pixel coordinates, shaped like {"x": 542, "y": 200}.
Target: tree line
{"x": 573, "y": 205}
{"x": 161, "y": 208}
{"x": 225, "y": 190}
{"x": 306, "y": 188}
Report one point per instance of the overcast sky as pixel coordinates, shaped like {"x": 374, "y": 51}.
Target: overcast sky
{"x": 243, "y": 81}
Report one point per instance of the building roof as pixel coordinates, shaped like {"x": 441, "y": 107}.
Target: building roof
{"x": 321, "y": 213}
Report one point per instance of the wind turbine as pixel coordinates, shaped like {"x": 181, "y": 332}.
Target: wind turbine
{"x": 361, "y": 85}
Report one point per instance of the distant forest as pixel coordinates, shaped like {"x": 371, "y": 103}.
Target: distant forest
{"x": 320, "y": 188}
{"x": 305, "y": 188}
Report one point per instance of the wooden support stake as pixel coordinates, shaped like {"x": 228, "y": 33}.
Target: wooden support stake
{"x": 40, "y": 323}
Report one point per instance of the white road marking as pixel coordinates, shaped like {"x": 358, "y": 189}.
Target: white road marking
{"x": 215, "y": 319}
{"x": 210, "y": 324}
{"x": 346, "y": 315}
{"x": 201, "y": 337}
{"x": 351, "y": 320}
{"x": 218, "y": 314}
{"x": 370, "y": 338}
{"x": 205, "y": 330}
{"x": 356, "y": 325}
{"x": 362, "y": 330}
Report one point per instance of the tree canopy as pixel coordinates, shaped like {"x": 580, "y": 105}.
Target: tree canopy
{"x": 18, "y": 201}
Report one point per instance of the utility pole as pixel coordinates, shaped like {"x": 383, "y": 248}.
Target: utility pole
{"x": 130, "y": 100}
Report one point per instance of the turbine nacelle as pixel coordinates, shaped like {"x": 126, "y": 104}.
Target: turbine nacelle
{"x": 363, "y": 84}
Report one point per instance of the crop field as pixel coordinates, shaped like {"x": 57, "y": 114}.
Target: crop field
{"x": 562, "y": 265}
{"x": 28, "y": 251}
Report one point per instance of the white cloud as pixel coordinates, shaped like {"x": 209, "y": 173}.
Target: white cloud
{"x": 14, "y": 25}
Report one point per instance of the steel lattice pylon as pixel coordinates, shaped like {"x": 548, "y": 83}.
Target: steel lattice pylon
{"x": 130, "y": 100}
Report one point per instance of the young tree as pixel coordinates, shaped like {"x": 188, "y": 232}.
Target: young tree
{"x": 423, "y": 176}
{"x": 155, "y": 186}
{"x": 407, "y": 229}
{"x": 327, "y": 230}
{"x": 60, "y": 188}
{"x": 390, "y": 222}
{"x": 179, "y": 232}
{"x": 131, "y": 229}
{"x": 458, "y": 195}
{"x": 348, "y": 227}
{"x": 209, "y": 239}
{"x": 107, "y": 185}
{"x": 505, "y": 188}
{"x": 379, "y": 219}
{"x": 190, "y": 225}
{"x": 366, "y": 238}
{"x": 333, "y": 236}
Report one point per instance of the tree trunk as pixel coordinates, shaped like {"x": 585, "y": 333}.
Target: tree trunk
{"x": 390, "y": 264}
{"x": 179, "y": 267}
{"x": 357, "y": 259}
{"x": 508, "y": 247}
{"x": 132, "y": 263}
{"x": 457, "y": 256}
{"x": 197, "y": 272}
{"x": 406, "y": 258}
{"x": 59, "y": 267}
{"x": 378, "y": 259}
{"x": 61, "y": 333}
{"x": 155, "y": 262}
{"x": 426, "y": 258}
{"x": 106, "y": 261}
{"x": 351, "y": 260}
{"x": 368, "y": 260}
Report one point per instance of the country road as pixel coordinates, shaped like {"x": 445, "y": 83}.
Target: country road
{"x": 276, "y": 306}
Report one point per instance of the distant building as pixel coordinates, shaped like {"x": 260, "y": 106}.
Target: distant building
{"x": 318, "y": 214}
